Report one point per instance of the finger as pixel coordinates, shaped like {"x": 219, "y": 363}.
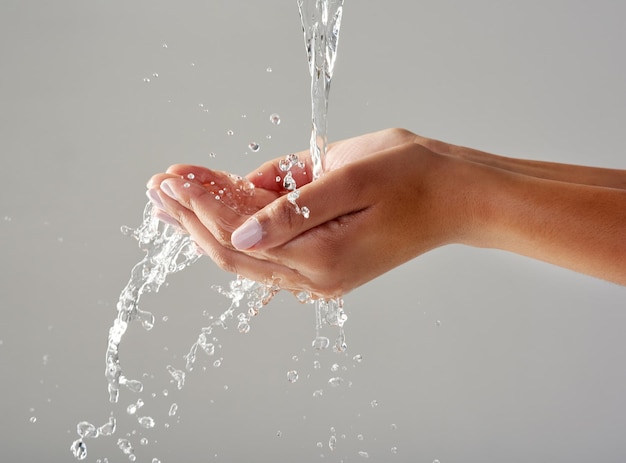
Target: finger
{"x": 271, "y": 174}
{"x": 156, "y": 180}
{"x": 186, "y": 200}
{"x": 335, "y": 194}
{"x": 201, "y": 174}
{"x": 166, "y": 218}
{"x": 239, "y": 263}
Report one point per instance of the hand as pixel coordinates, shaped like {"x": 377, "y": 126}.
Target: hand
{"x": 378, "y": 205}
{"x": 390, "y": 196}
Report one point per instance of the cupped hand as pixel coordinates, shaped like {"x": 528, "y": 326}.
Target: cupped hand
{"x": 383, "y": 200}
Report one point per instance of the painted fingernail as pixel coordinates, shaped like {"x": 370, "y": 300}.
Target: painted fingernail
{"x": 167, "y": 189}
{"x": 247, "y": 235}
{"x": 153, "y": 196}
{"x": 166, "y": 218}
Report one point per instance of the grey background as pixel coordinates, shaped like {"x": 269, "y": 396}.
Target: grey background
{"x": 527, "y": 361}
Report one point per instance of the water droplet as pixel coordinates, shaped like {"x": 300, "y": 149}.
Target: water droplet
{"x": 254, "y": 147}
{"x": 108, "y": 428}
{"x": 358, "y": 358}
{"x": 288, "y": 182}
{"x": 275, "y": 119}
{"x": 156, "y": 460}
{"x": 438, "y": 323}
{"x": 177, "y": 375}
{"x": 165, "y": 318}
{"x": 146, "y": 80}
{"x": 269, "y": 69}
{"x": 217, "y": 363}
{"x": 191, "y": 176}
{"x": 243, "y": 327}
{"x": 132, "y": 384}
{"x": 33, "y": 419}
{"x": 374, "y": 403}
{"x": 85, "y": 429}
{"x": 208, "y": 347}
{"x": 230, "y": 132}
{"x": 279, "y": 433}
{"x": 211, "y": 154}
{"x": 394, "y": 450}
{"x": 173, "y": 409}
{"x": 318, "y": 393}
{"x": 186, "y": 185}
{"x": 359, "y": 436}
{"x": 292, "y": 376}
{"x": 394, "y": 426}
{"x": 334, "y": 367}
{"x": 79, "y": 449}
{"x": 166, "y": 392}
{"x": 306, "y": 213}
{"x": 146, "y": 422}
{"x": 316, "y": 364}
{"x": 164, "y": 45}
{"x": 7, "y": 218}
{"x": 364, "y": 454}
{"x": 143, "y": 441}
{"x": 125, "y": 446}
{"x": 435, "y": 461}
{"x": 155, "y": 74}
{"x": 321, "y": 343}
{"x": 332, "y": 442}
{"x": 319, "y": 445}
{"x": 336, "y": 381}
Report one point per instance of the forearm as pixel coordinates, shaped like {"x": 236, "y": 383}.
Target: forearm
{"x": 576, "y": 226}
{"x": 582, "y": 175}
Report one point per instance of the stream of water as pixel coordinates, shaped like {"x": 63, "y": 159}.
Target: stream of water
{"x": 168, "y": 251}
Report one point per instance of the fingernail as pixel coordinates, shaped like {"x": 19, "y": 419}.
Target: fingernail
{"x": 153, "y": 196}
{"x": 247, "y": 235}
{"x": 166, "y": 218}
{"x": 167, "y": 189}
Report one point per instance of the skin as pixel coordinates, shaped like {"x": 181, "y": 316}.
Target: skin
{"x": 389, "y": 196}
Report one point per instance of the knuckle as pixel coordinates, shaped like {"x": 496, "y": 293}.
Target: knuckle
{"x": 282, "y": 215}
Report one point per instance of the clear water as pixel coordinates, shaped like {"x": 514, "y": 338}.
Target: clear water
{"x": 169, "y": 251}
{"x": 321, "y": 22}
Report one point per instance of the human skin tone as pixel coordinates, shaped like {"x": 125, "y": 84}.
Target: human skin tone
{"x": 389, "y": 196}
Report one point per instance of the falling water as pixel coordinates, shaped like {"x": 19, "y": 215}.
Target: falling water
{"x": 169, "y": 251}
{"x": 321, "y": 22}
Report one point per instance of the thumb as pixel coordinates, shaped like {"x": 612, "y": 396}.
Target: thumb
{"x": 281, "y": 221}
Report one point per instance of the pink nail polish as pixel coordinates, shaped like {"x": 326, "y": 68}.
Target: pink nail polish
{"x": 247, "y": 235}
{"x": 153, "y": 196}
{"x": 167, "y": 189}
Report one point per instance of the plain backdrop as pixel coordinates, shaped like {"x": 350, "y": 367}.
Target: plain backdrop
{"x": 468, "y": 355}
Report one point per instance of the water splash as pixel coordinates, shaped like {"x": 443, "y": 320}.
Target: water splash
{"x": 167, "y": 251}
{"x": 241, "y": 290}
